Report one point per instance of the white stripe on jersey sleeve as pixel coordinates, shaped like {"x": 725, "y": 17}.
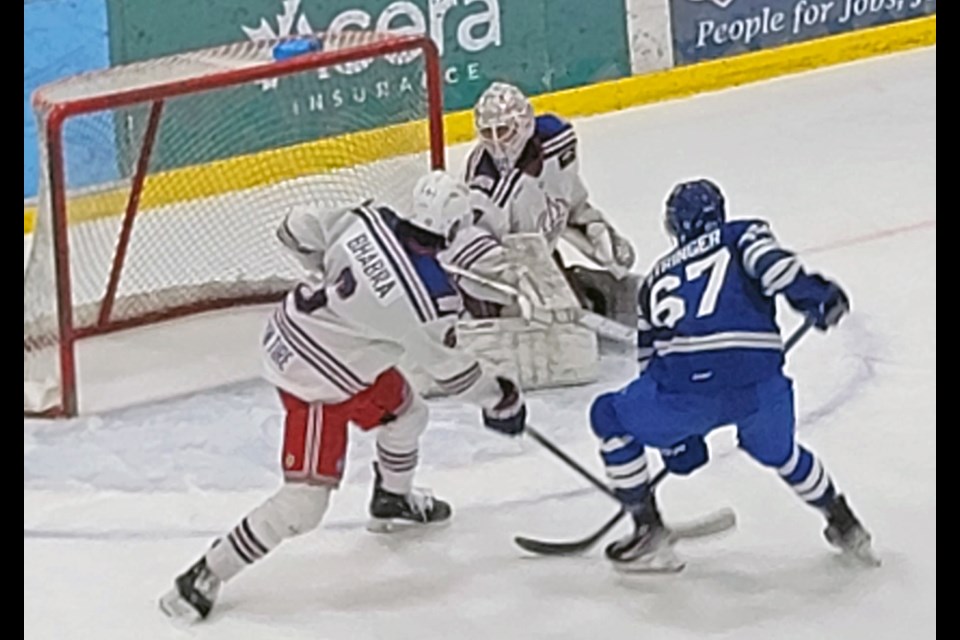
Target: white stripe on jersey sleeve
{"x": 559, "y": 141}
{"x": 756, "y": 251}
{"x": 779, "y": 275}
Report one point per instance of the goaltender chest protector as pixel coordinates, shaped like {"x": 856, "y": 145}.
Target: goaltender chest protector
{"x": 538, "y": 194}
{"x": 541, "y": 204}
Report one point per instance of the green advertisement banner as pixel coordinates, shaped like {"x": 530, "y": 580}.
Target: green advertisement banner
{"x": 539, "y": 45}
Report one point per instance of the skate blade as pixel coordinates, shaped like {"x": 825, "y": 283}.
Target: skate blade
{"x": 638, "y": 567}
{"x": 399, "y": 525}
{"x": 706, "y": 526}
{"x": 663, "y": 560}
{"x": 865, "y": 555}
{"x": 178, "y": 609}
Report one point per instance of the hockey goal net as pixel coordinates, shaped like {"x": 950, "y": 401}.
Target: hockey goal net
{"x": 162, "y": 182}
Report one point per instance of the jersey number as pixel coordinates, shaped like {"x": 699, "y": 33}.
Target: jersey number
{"x": 309, "y": 300}
{"x": 667, "y": 310}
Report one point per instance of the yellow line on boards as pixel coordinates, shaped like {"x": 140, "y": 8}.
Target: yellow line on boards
{"x": 320, "y": 156}
{"x": 741, "y": 69}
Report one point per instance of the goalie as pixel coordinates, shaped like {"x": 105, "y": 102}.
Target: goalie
{"x": 524, "y": 176}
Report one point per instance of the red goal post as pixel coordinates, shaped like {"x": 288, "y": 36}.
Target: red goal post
{"x": 162, "y": 182}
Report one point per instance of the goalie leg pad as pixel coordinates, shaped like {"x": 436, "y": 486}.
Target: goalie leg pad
{"x": 536, "y": 355}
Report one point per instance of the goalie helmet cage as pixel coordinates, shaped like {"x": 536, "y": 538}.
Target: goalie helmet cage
{"x": 163, "y": 182}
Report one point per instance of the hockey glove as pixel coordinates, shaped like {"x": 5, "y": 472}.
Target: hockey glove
{"x": 835, "y": 306}
{"x": 296, "y": 232}
{"x": 685, "y": 457}
{"x": 610, "y": 250}
{"x": 623, "y": 252}
{"x": 509, "y": 416}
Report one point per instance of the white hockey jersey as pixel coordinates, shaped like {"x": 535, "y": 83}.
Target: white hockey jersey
{"x": 375, "y": 299}
{"x": 540, "y": 194}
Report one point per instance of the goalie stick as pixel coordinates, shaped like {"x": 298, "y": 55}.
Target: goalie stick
{"x": 710, "y": 524}
{"x": 597, "y": 323}
{"x": 601, "y": 325}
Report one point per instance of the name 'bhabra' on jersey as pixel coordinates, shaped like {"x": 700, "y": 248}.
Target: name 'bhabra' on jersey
{"x": 690, "y": 250}
{"x": 374, "y": 268}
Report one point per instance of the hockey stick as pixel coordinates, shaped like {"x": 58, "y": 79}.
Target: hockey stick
{"x": 544, "y": 547}
{"x": 798, "y": 333}
{"x": 708, "y": 525}
{"x": 573, "y": 464}
{"x": 601, "y": 325}
{"x": 712, "y": 523}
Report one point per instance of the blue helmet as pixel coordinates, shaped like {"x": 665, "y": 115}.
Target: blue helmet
{"x": 693, "y": 208}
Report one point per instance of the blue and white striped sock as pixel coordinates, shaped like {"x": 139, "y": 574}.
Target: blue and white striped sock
{"x": 807, "y": 476}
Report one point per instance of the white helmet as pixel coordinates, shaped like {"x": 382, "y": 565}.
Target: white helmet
{"x": 441, "y": 205}
{"x": 504, "y": 121}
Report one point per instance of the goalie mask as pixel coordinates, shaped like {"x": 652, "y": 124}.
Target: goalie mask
{"x": 504, "y": 121}
{"x": 693, "y": 208}
{"x": 441, "y": 205}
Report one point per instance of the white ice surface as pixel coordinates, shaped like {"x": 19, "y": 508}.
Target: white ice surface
{"x": 842, "y": 161}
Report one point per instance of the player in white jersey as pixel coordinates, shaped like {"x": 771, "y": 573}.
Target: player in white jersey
{"x": 525, "y": 176}
{"x": 331, "y": 348}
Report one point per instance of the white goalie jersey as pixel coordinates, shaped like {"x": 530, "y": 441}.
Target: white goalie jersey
{"x": 536, "y": 195}
{"x": 520, "y": 215}
{"x": 369, "y": 303}
{"x": 543, "y": 193}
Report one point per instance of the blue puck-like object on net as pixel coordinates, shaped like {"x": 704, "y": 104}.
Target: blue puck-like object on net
{"x": 296, "y": 47}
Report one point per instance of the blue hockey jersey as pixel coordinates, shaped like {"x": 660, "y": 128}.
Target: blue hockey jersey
{"x": 707, "y": 310}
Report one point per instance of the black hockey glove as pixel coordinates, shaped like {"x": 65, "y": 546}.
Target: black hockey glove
{"x": 509, "y": 415}
{"x": 834, "y": 307}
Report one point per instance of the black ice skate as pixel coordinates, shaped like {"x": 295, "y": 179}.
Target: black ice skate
{"x": 193, "y": 594}
{"x": 649, "y": 549}
{"x": 392, "y": 511}
{"x": 845, "y": 532}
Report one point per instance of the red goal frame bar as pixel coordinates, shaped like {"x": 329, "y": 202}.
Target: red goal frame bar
{"x": 157, "y": 95}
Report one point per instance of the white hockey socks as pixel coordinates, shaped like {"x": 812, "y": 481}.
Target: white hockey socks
{"x": 398, "y": 447}
{"x": 294, "y": 509}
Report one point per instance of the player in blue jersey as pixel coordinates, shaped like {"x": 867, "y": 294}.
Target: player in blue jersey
{"x": 711, "y": 354}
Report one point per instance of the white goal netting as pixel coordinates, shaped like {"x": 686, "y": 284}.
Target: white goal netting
{"x": 162, "y": 182}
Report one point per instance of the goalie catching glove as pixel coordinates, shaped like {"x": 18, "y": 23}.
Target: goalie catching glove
{"x": 509, "y": 415}
{"x": 591, "y": 234}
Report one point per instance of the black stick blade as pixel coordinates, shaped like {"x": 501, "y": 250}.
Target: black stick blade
{"x": 573, "y": 547}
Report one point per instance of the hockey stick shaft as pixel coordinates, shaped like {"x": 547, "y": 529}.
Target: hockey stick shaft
{"x": 573, "y": 464}
{"x": 798, "y": 333}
